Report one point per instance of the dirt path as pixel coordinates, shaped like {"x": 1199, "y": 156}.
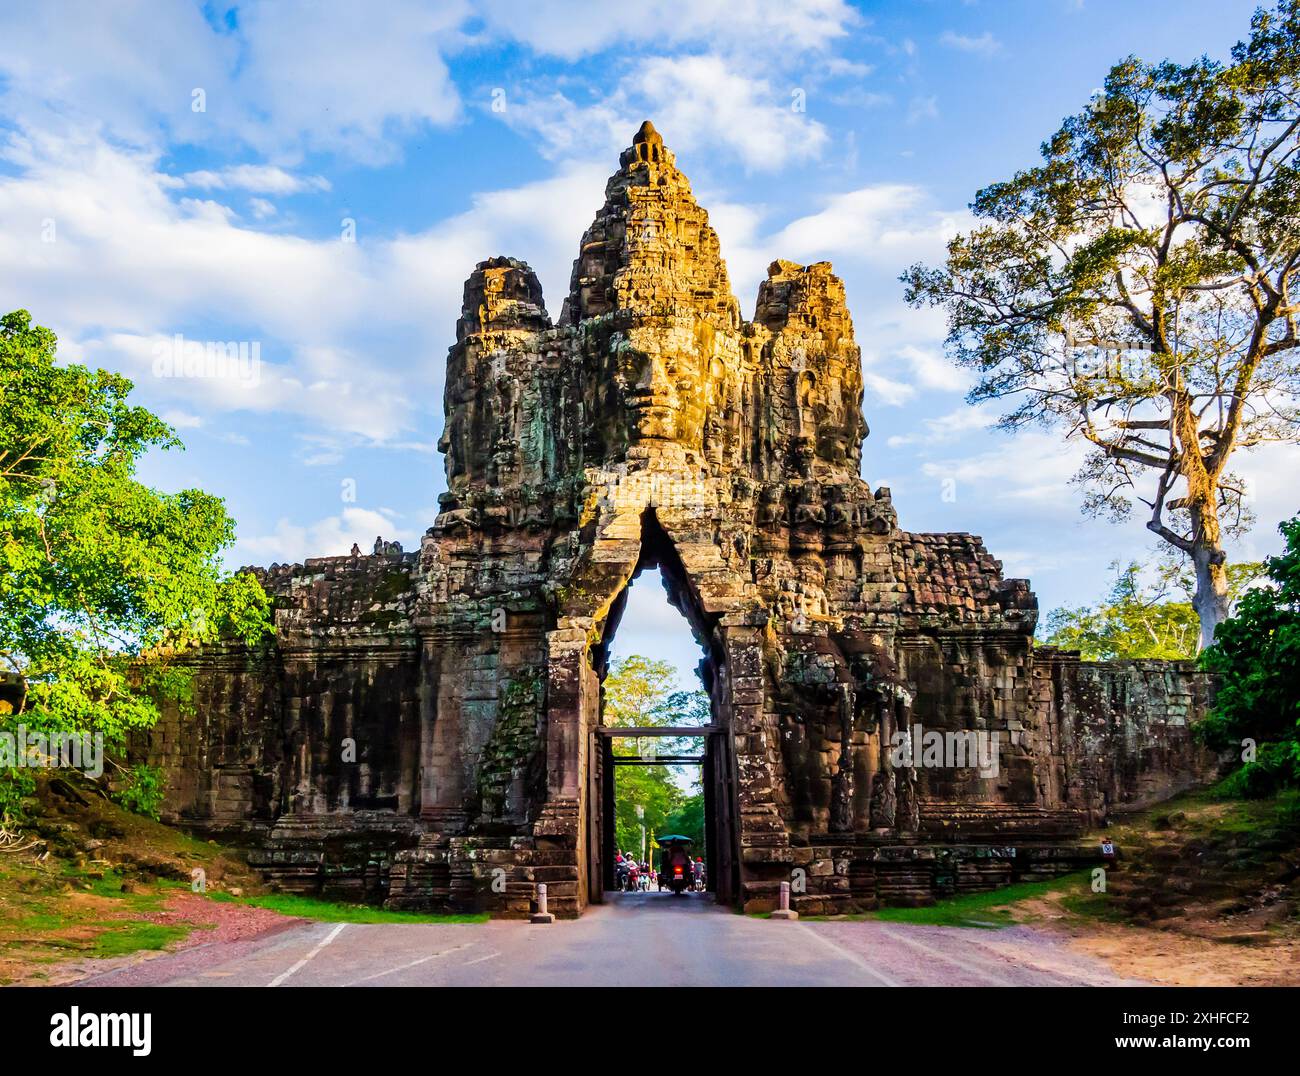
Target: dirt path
{"x": 219, "y": 928}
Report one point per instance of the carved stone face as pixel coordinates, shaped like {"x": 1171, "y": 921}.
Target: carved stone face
{"x": 665, "y": 391}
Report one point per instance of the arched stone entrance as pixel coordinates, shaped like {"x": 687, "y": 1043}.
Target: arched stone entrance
{"x": 655, "y": 549}
{"x": 633, "y": 531}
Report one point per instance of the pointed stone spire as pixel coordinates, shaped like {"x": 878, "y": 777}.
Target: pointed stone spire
{"x": 647, "y": 133}
{"x": 650, "y": 252}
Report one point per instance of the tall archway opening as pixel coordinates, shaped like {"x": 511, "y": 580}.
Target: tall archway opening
{"x": 677, "y": 725}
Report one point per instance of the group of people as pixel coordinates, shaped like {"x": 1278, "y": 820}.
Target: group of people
{"x": 382, "y": 548}
{"x": 631, "y": 875}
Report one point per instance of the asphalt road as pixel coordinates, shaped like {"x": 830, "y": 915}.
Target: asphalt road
{"x": 642, "y": 939}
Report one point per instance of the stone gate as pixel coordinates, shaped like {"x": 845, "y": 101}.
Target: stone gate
{"x": 423, "y": 728}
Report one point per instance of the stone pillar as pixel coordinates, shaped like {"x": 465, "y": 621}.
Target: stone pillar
{"x": 841, "y": 820}
{"x": 442, "y": 803}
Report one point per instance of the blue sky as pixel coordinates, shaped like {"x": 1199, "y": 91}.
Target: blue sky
{"x": 192, "y": 169}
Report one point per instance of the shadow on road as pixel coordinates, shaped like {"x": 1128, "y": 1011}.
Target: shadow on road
{"x": 665, "y": 901}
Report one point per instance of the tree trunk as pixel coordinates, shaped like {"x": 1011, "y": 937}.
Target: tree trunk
{"x": 1211, "y": 598}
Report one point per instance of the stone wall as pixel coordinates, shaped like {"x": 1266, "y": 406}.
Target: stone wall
{"x": 421, "y": 729}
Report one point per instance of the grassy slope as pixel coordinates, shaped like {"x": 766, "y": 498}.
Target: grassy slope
{"x": 89, "y": 880}
{"x": 1202, "y": 863}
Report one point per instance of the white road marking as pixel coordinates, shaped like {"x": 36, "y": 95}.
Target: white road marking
{"x": 304, "y": 961}
{"x": 479, "y": 960}
{"x": 885, "y": 980}
{"x": 411, "y": 964}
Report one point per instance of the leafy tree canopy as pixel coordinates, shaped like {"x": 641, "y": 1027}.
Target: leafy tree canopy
{"x": 652, "y": 789}
{"x": 642, "y": 692}
{"x": 1140, "y": 620}
{"x": 102, "y": 579}
{"x": 688, "y": 820}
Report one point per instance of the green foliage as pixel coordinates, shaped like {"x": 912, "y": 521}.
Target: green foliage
{"x": 142, "y": 790}
{"x": 103, "y": 581}
{"x": 653, "y": 790}
{"x": 1256, "y": 657}
{"x": 132, "y": 937}
{"x": 16, "y": 785}
{"x": 641, "y": 691}
{"x": 982, "y": 911}
{"x": 1137, "y": 620}
{"x": 327, "y": 911}
{"x": 688, "y": 820}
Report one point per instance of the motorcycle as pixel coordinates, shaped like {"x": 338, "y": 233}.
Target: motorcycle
{"x": 677, "y": 863}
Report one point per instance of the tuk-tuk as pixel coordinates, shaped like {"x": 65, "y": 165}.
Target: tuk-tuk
{"x": 675, "y": 869}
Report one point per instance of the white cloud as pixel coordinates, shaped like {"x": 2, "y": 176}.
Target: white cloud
{"x": 882, "y": 228}
{"x": 263, "y": 178}
{"x": 345, "y": 330}
{"x": 288, "y": 76}
{"x": 387, "y": 74}
{"x": 704, "y": 101}
{"x": 881, "y": 389}
{"x": 922, "y": 108}
{"x": 947, "y": 427}
{"x": 698, "y": 103}
{"x": 291, "y": 543}
{"x": 933, "y": 370}
{"x": 569, "y": 29}
{"x": 1032, "y": 468}
{"x": 181, "y": 420}
{"x": 881, "y": 223}
{"x": 984, "y": 45}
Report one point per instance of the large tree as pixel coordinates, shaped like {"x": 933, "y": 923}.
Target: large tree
{"x": 102, "y": 579}
{"x": 1137, "y": 288}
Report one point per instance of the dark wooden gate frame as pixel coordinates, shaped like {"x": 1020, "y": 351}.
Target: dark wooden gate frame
{"x": 720, "y": 830}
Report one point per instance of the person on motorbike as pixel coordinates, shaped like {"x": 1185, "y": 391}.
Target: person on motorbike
{"x": 678, "y": 866}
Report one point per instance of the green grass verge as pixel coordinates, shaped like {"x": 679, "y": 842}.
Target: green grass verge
{"x": 979, "y": 911}
{"x": 327, "y": 911}
{"x": 130, "y": 937}
{"x": 984, "y": 911}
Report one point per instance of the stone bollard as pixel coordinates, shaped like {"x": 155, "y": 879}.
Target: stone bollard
{"x": 542, "y": 915}
{"x": 783, "y": 909}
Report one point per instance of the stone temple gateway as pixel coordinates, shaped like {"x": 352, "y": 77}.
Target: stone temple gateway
{"x": 425, "y": 728}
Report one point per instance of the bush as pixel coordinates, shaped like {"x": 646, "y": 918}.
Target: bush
{"x": 142, "y": 790}
{"x": 1256, "y": 658}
